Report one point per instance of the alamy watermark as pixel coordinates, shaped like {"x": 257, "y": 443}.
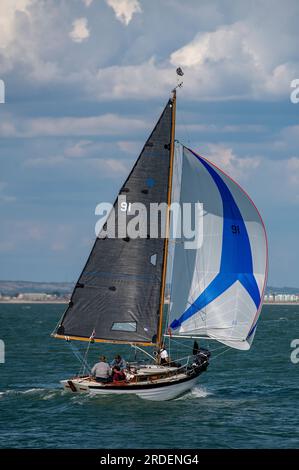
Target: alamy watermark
{"x": 156, "y": 220}
{"x": 294, "y": 96}
{"x": 2, "y": 351}
{"x": 295, "y": 352}
{"x": 2, "y": 92}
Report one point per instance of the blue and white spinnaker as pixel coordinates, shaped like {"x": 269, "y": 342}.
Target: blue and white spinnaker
{"x": 221, "y": 290}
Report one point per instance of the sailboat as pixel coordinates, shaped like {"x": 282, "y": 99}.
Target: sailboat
{"x": 215, "y": 290}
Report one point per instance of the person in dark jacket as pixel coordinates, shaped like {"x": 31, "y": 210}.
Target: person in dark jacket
{"x": 120, "y": 362}
{"x": 118, "y": 375}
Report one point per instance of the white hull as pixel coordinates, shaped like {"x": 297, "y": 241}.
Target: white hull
{"x": 158, "y": 392}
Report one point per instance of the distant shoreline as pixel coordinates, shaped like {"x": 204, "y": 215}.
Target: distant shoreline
{"x": 66, "y": 302}
{"x": 281, "y": 303}
{"x": 34, "y": 302}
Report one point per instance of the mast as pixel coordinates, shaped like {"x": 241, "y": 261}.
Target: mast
{"x": 165, "y": 254}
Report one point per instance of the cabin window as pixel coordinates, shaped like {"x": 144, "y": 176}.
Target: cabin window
{"x": 124, "y": 326}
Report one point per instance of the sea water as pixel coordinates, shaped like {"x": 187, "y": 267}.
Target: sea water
{"x": 244, "y": 400}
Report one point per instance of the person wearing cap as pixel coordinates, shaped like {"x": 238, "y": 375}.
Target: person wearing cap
{"x": 101, "y": 371}
{"x": 163, "y": 356}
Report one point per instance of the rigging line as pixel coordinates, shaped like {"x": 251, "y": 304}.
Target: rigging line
{"x": 214, "y": 357}
{"x": 184, "y": 125}
{"x": 217, "y": 349}
{"x": 175, "y": 197}
{"x": 191, "y": 347}
{"x": 169, "y": 283}
{"x": 172, "y": 241}
{"x": 59, "y": 322}
{"x": 142, "y": 350}
{"x": 86, "y": 354}
{"x": 186, "y": 263}
{"x": 187, "y": 266}
{"x": 173, "y": 227}
{"x": 203, "y": 313}
{"x": 189, "y": 271}
{"x": 79, "y": 356}
{"x": 167, "y": 321}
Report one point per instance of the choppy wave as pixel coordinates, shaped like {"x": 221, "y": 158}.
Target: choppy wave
{"x": 32, "y": 391}
{"x": 48, "y": 394}
{"x": 195, "y": 392}
{"x": 42, "y": 393}
{"x": 249, "y": 397}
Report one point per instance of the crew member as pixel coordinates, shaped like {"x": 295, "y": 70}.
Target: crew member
{"x": 101, "y": 370}
{"x": 120, "y": 362}
{"x": 163, "y": 355}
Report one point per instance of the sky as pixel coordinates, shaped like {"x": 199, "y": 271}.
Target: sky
{"x": 85, "y": 81}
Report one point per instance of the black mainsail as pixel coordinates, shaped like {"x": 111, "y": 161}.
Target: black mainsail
{"x": 119, "y": 295}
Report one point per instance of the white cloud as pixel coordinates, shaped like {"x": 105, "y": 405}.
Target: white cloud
{"x": 35, "y": 232}
{"x": 79, "y": 149}
{"x": 236, "y": 167}
{"x": 292, "y": 168}
{"x": 9, "y": 11}
{"x": 60, "y": 237}
{"x": 106, "y": 124}
{"x": 5, "y": 198}
{"x": 280, "y": 185}
{"x": 291, "y": 133}
{"x": 124, "y": 9}
{"x": 58, "y": 246}
{"x": 7, "y": 128}
{"x": 7, "y": 246}
{"x": 231, "y": 61}
{"x": 93, "y": 148}
{"x": 23, "y": 26}
{"x": 227, "y": 59}
{"x": 113, "y": 166}
{"x": 3, "y": 185}
{"x": 53, "y": 236}
{"x": 29, "y": 230}
{"x": 224, "y": 129}
{"x": 129, "y": 146}
{"x": 14, "y": 15}
{"x": 271, "y": 183}
{"x": 105, "y": 167}
{"x": 80, "y": 30}
{"x": 133, "y": 81}
{"x": 223, "y": 44}
{"x": 38, "y": 162}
